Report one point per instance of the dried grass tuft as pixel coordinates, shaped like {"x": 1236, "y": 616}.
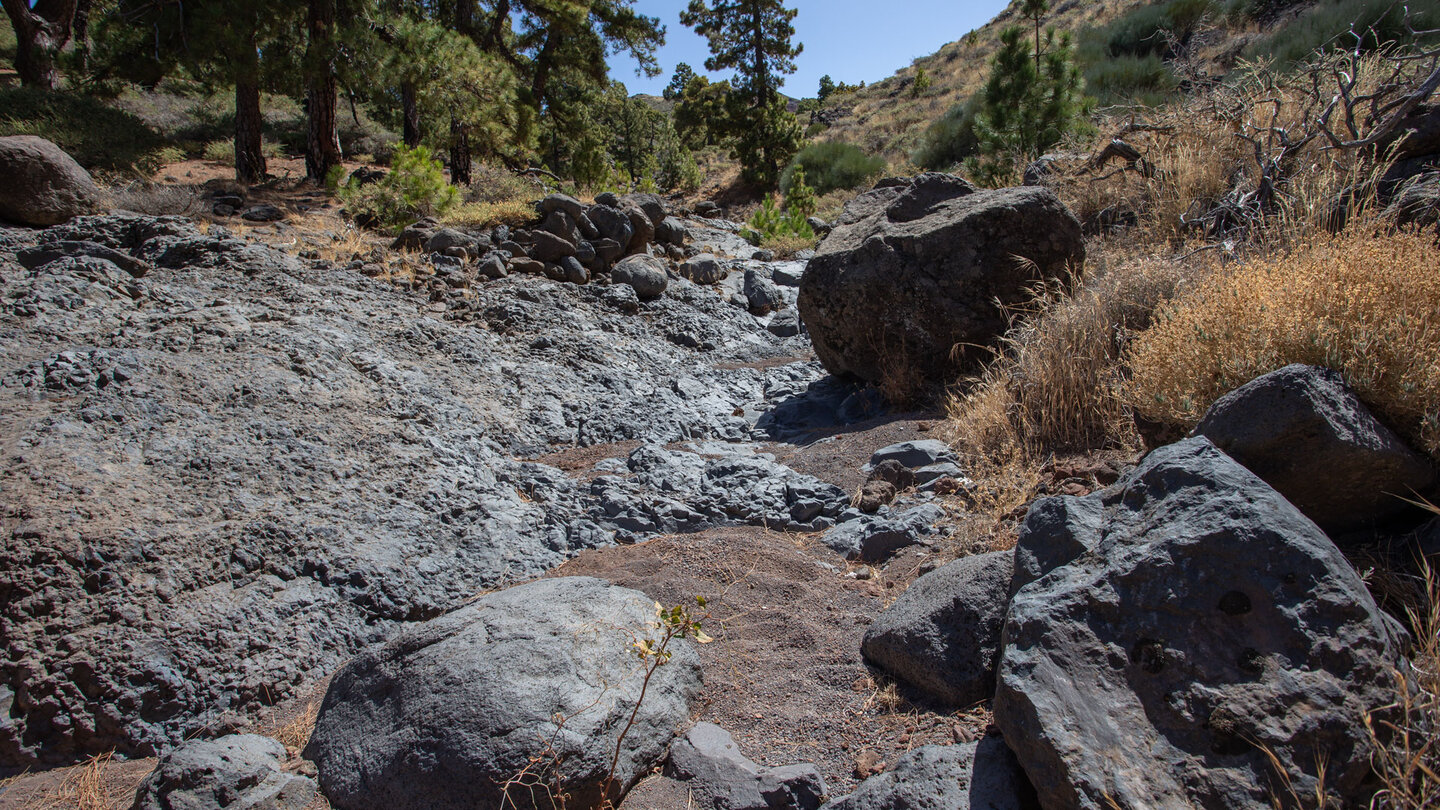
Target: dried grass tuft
{"x": 1361, "y": 303}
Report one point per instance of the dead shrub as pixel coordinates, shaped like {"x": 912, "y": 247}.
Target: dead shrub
{"x": 1361, "y": 303}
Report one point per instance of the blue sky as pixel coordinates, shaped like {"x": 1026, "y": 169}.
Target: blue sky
{"x": 851, "y": 40}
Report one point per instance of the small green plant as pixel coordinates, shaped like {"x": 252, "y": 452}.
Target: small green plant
{"x": 676, "y": 622}
{"x": 800, "y": 198}
{"x": 414, "y": 188}
{"x": 220, "y": 151}
{"x": 772, "y": 222}
{"x": 922, "y": 83}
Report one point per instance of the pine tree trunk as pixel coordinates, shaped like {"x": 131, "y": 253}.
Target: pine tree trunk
{"x": 411, "y": 110}
{"x": 82, "y": 33}
{"x": 322, "y": 144}
{"x": 249, "y": 158}
{"x": 40, "y": 33}
{"x": 459, "y": 154}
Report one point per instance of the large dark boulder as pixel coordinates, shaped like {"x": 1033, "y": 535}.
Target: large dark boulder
{"x": 974, "y": 776}
{"x": 237, "y": 771}
{"x": 1307, "y": 435}
{"x": 1212, "y": 635}
{"x": 40, "y": 185}
{"x": 443, "y": 715}
{"x": 920, "y": 275}
{"x": 942, "y": 636}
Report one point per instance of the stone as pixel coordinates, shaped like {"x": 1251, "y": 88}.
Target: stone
{"x": 761, "y": 293}
{"x": 981, "y": 775}
{"x": 530, "y": 267}
{"x": 263, "y": 213}
{"x": 35, "y": 257}
{"x": 707, "y": 209}
{"x": 941, "y": 638}
{"x": 819, "y": 226}
{"x": 1056, "y": 531}
{"x": 492, "y": 266}
{"x": 444, "y": 714}
{"x": 608, "y": 251}
{"x": 875, "y": 539}
{"x": 892, "y": 471}
{"x": 718, "y": 776}
{"x": 563, "y": 203}
{"x": 671, "y": 231}
{"x": 646, "y": 274}
{"x": 1212, "y": 636}
{"x": 609, "y": 198}
{"x": 786, "y": 323}
{"x": 641, "y": 225}
{"x": 415, "y": 235}
{"x": 573, "y": 272}
{"x": 562, "y": 225}
{"x": 914, "y": 454}
{"x": 612, "y": 223}
{"x": 875, "y": 494}
{"x": 923, "y": 274}
{"x": 235, "y": 771}
{"x": 550, "y": 248}
{"x": 447, "y": 239}
{"x": 788, "y": 274}
{"x": 41, "y": 185}
{"x": 586, "y": 255}
{"x": 707, "y": 268}
{"x": 1304, "y": 432}
{"x": 621, "y": 297}
{"x": 651, "y": 204}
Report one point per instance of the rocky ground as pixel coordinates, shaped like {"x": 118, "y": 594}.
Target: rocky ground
{"x": 230, "y": 469}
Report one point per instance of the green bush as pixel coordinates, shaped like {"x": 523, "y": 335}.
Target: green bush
{"x": 1143, "y": 32}
{"x": 831, "y": 166}
{"x": 950, "y": 140}
{"x": 1130, "y": 79}
{"x": 1327, "y": 24}
{"x": 414, "y": 188}
{"x": 100, "y": 137}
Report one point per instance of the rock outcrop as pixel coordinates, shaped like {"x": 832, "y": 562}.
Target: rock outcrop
{"x": 1212, "y": 635}
{"x": 718, "y": 776}
{"x": 449, "y": 714}
{"x": 40, "y": 185}
{"x": 911, "y": 274}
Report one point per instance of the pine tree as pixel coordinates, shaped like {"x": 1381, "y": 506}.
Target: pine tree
{"x": 683, "y": 74}
{"x": 753, "y": 37}
{"x": 1031, "y": 100}
{"x": 322, "y": 141}
{"x": 827, "y": 86}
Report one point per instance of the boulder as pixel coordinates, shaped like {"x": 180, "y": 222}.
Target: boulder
{"x": 447, "y": 239}
{"x": 1212, "y": 636}
{"x": 40, "y": 185}
{"x": 1056, "y": 531}
{"x": 704, "y": 269}
{"x": 550, "y": 248}
{"x": 564, "y": 203}
{"x": 707, "y": 209}
{"x": 645, "y": 273}
{"x": 447, "y": 713}
{"x": 236, "y": 771}
{"x": 942, "y": 636}
{"x": 572, "y": 271}
{"x": 612, "y": 223}
{"x": 415, "y": 235}
{"x": 562, "y": 225}
{"x": 913, "y": 454}
{"x": 875, "y": 494}
{"x": 493, "y": 266}
{"x": 786, "y": 323}
{"x": 875, "y": 539}
{"x": 761, "y": 293}
{"x": 981, "y": 775}
{"x": 651, "y": 204}
{"x": 923, "y": 274}
{"x": 671, "y": 231}
{"x": 1304, "y": 432}
{"x": 264, "y": 212}
{"x": 642, "y": 229}
{"x": 718, "y": 776}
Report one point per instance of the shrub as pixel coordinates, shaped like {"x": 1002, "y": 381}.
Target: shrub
{"x": 414, "y": 188}
{"x": 770, "y": 221}
{"x": 496, "y": 184}
{"x": 801, "y": 197}
{"x": 1355, "y": 303}
{"x": 100, "y": 137}
{"x": 1325, "y": 26}
{"x": 220, "y": 151}
{"x": 831, "y": 166}
{"x": 950, "y": 140}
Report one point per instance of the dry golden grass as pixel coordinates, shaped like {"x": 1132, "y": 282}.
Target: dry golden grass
{"x": 1057, "y": 382}
{"x": 1405, "y": 736}
{"x": 1363, "y": 303}
{"x": 489, "y": 214}
{"x": 786, "y": 246}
